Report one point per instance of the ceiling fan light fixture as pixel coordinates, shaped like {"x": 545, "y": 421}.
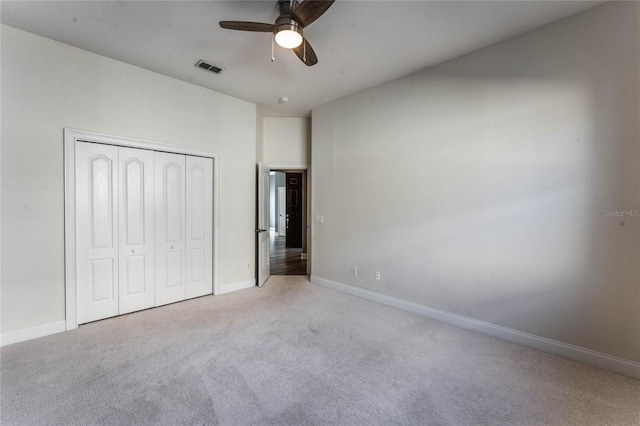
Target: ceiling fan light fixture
{"x": 286, "y": 31}
{"x": 288, "y": 36}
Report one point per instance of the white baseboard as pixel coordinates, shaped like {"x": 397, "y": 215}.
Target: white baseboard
{"x": 565, "y": 350}
{"x": 228, "y": 288}
{"x": 32, "y": 333}
{"x": 60, "y": 326}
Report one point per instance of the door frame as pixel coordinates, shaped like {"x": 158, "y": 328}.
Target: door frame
{"x": 263, "y": 204}
{"x": 71, "y": 137}
{"x": 282, "y": 167}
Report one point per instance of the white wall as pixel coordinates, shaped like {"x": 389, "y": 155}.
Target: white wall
{"x": 479, "y": 187}
{"x": 286, "y": 140}
{"x": 287, "y": 143}
{"x": 47, "y": 86}
{"x": 259, "y": 134}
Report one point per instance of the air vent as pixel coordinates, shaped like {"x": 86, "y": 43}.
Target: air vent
{"x": 207, "y": 66}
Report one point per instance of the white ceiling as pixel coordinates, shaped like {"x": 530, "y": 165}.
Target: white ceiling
{"x": 359, "y": 43}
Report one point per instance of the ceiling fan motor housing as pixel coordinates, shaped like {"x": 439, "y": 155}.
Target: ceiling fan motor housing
{"x": 287, "y": 7}
{"x": 285, "y": 21}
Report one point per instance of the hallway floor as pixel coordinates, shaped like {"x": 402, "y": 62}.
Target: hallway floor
{"x": 285, "y": 261}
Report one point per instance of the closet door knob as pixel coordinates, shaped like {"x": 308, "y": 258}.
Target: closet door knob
{"x": 133, "y": 250}
{"x": 171, "y": 247}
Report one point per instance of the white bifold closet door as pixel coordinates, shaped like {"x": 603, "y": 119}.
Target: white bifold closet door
{"x": 199, "y": 226}
{"x": 183, "y": 227}
{"x": 170, "y": 223}
{"x": 144, "y": 232}
{"x": 137, "y": 239}
{"x": 97, "y": 238}
{"x": 115, "y": 233}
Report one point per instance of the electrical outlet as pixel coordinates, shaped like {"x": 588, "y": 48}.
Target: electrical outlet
{"x": 354, "y": 271}
{"x": 376, "y": 276}
{"x": 248, "y": 266}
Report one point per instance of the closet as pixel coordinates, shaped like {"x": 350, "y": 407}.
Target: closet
{"x": 143, "y": 229}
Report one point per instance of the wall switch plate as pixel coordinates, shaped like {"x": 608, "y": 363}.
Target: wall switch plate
{"x": 354, "y": 271}
{"x": 319, "y": 218}
{"x": 376, "y": 276}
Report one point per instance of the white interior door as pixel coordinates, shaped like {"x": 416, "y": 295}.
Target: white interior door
{"x": 96, "y": 231}
{"x": 199, "y": 232}
{"x": 282, "y": 211}
{"x": 170, "y": 226}
{"x": 264, "y": 266}
{"x": 137, "y": 246}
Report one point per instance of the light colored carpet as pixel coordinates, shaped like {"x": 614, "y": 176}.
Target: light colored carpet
{"x": 296, "y": 353}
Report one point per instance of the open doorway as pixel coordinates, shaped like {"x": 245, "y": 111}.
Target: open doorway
{"x": 287, "y": 222}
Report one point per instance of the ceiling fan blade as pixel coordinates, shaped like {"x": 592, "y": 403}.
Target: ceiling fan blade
{"x": 247, "y": 26}
{"x": 306, "y": 54}
{"x": 310, "y": 10}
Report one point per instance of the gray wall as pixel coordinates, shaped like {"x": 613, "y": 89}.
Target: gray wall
{"x": 481, "y": 186}
{"x": 286, "y": 140}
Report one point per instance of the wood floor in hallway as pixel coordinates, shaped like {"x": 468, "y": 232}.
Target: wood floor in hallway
{"x": 285, "y": 261}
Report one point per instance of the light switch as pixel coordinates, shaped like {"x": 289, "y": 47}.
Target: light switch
{"x": 319, "y": 218}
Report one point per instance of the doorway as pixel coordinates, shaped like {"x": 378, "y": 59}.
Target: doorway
{"x": 287, "y": 222}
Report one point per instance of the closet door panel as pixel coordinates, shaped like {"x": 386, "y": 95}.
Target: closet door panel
{"x": 137, "y": 242}
{"x": 170, "y": 227}
{"x": 96, "y": 231}
{"x": 199, "y": 236}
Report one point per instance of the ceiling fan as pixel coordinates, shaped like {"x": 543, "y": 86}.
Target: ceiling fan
{"x": 287, "y": 29}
